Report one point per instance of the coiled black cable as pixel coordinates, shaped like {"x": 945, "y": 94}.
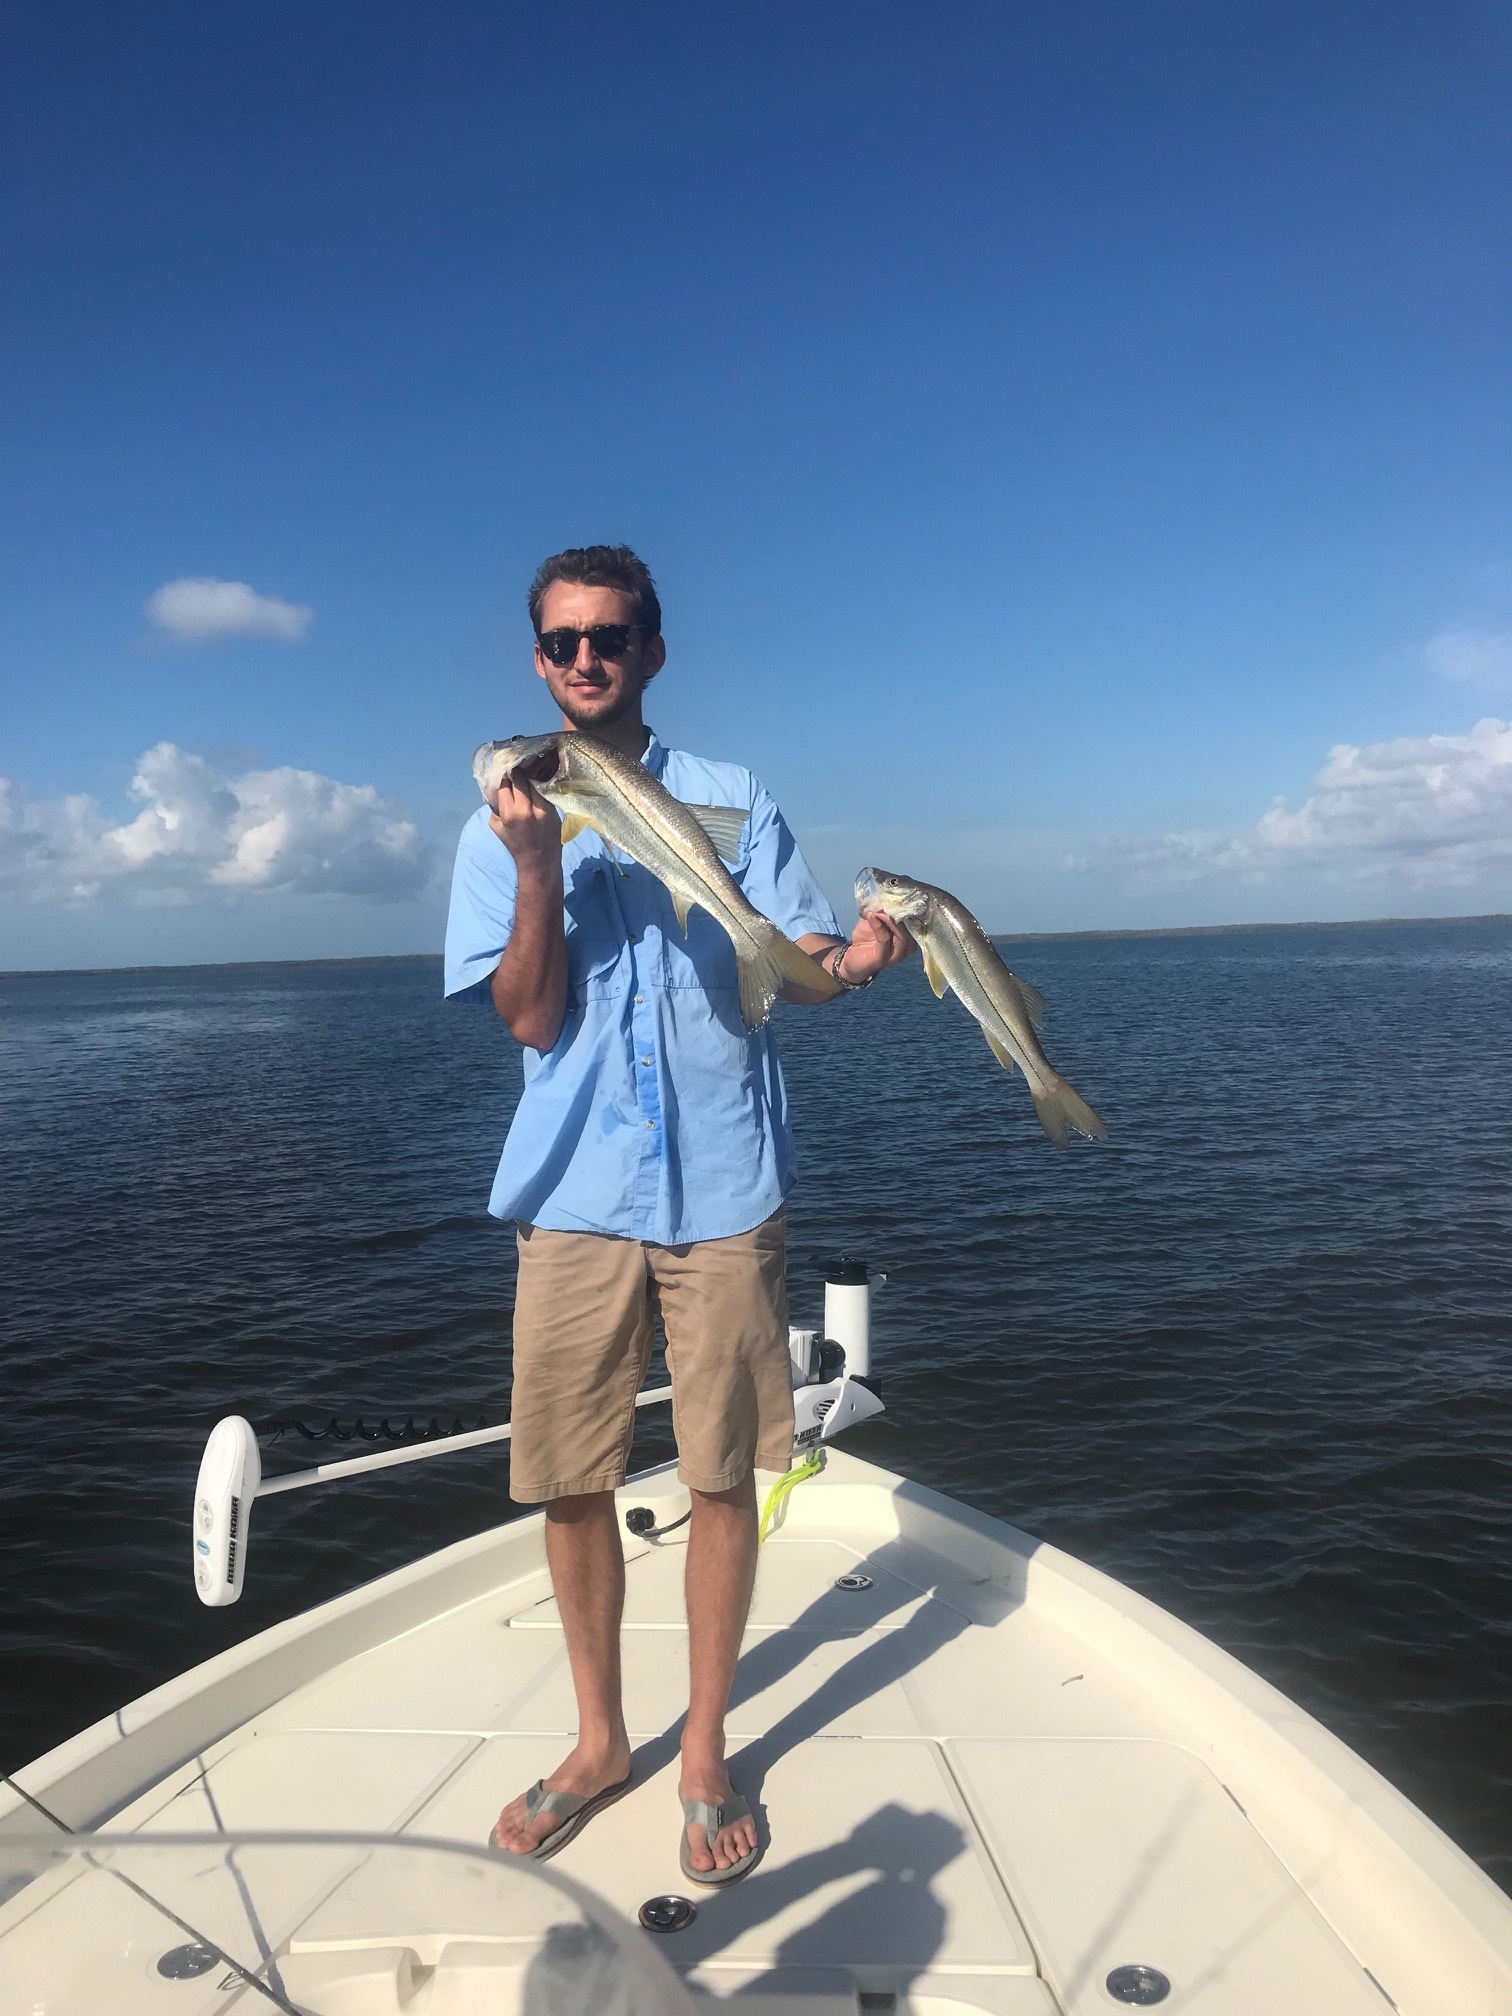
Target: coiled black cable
{"x": 412, "y": 1428}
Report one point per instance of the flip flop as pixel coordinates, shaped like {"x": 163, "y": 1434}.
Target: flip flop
{"x": 576, "y": 1812}
{"x": 698, "y": 1812}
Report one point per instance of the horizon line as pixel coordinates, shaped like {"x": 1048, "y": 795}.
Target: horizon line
{"x": 997, "y": 937}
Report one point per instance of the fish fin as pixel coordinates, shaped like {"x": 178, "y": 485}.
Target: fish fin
{"x": 934, "y": 973}
{"x": 1033, "y": 1000}
{"x": 764, "y": 970}
{"x": 1000, "y": 1050}
{"x": 724, "y": 825}
{"x": 573, "y": 823}
{"x": 1062, "y": 1106}
{"x": 682, "y": 905}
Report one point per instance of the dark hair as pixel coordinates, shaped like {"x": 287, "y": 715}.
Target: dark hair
{"x": 600, "y": 567}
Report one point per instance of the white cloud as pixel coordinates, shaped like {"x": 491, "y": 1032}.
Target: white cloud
{"x": 199, "y": 832}
{"x": 1478, "y": 658}
{"x": 202, "y": 610}
{"x": 1424, "y": 812}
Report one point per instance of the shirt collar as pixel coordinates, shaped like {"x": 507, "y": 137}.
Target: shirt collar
{"x": 655, "y": 757}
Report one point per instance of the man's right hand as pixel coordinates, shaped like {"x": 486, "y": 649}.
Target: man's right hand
{"x": 530, "y": 981}
{"x": 529, "y": 827}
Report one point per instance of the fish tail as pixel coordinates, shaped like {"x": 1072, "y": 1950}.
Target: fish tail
{"x": 768, "y": 963}
{"x": 1061, "y": 1106}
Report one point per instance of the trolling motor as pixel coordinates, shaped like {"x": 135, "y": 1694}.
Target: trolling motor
{"x": 832, "y": 1384}
{"x": 832, "y": 1390}
{"x": 230, "y": 1478}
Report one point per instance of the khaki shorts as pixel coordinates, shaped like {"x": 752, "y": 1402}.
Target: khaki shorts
{"x": 582, "y": 1339}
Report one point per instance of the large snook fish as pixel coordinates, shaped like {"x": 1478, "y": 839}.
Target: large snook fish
{"x": 959, "y": 954}
{"x": 593, "y": 784}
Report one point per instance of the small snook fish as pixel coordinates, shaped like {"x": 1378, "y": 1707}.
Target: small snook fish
{"x": 959, "y": 954}
{"x": 593, "y": 784}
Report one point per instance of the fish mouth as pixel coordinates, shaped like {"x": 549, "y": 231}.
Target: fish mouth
{"x": 539, "y": 769}
{"x": 535, "y": 759}
{"x": 898, "y": 895}
{"x": 877, "y": 885}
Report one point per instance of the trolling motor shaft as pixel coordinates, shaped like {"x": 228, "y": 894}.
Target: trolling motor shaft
{"x": 847, "y": 1312}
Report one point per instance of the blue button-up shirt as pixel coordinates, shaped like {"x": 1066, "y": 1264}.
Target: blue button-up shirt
{"x": 656, "y": 1115}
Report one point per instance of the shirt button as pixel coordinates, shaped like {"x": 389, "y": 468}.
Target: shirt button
{"x": 640, "y": 997}
{"x": 645, "y": 1060}
{"x": 650, "y": 1123}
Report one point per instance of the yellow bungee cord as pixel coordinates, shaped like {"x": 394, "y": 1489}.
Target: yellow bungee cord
{"x": 811, "y": 1465}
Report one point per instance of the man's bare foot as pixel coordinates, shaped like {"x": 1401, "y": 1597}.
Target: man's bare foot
{"x": 709, "y": 1781}
{"x": 585, "y": 1772}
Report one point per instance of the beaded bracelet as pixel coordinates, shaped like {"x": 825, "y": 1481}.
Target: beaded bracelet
{"x": 833, "y": 969}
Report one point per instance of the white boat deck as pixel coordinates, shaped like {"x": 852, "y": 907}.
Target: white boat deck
{"x": 988, "y": 1779}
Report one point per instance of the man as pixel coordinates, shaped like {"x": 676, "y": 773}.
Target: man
{"x": 646, "y": 1167}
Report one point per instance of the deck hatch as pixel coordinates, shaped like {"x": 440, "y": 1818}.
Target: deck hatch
{"x": 1120, "y": 1852}
{"x": 872, "y": 1864}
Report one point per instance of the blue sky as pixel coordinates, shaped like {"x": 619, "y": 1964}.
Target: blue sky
{"x": 1054, "y": 429}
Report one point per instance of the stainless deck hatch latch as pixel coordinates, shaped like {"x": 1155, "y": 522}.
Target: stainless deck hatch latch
{"x": 1140, "y": 1986}
{"x": 667, "y": 1914}
{"x": 187, "y": 1963}
{"x": 850, "y": 1583}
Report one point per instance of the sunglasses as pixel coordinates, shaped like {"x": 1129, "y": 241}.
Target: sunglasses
{"x": 605, "y": 640}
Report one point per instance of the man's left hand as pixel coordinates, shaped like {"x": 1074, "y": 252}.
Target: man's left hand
{"x": 876, "y": 942}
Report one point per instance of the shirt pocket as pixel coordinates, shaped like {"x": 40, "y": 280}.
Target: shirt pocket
{"x": 595, "y": 923}
{"x": 700, "y": 958}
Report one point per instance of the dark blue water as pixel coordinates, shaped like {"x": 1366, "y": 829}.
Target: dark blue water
{"x": 1254, "y": 1357}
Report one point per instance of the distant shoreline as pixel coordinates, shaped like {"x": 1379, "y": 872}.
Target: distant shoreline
{"x": 1230, "y": 930}
{"x": 998, "y": 937}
